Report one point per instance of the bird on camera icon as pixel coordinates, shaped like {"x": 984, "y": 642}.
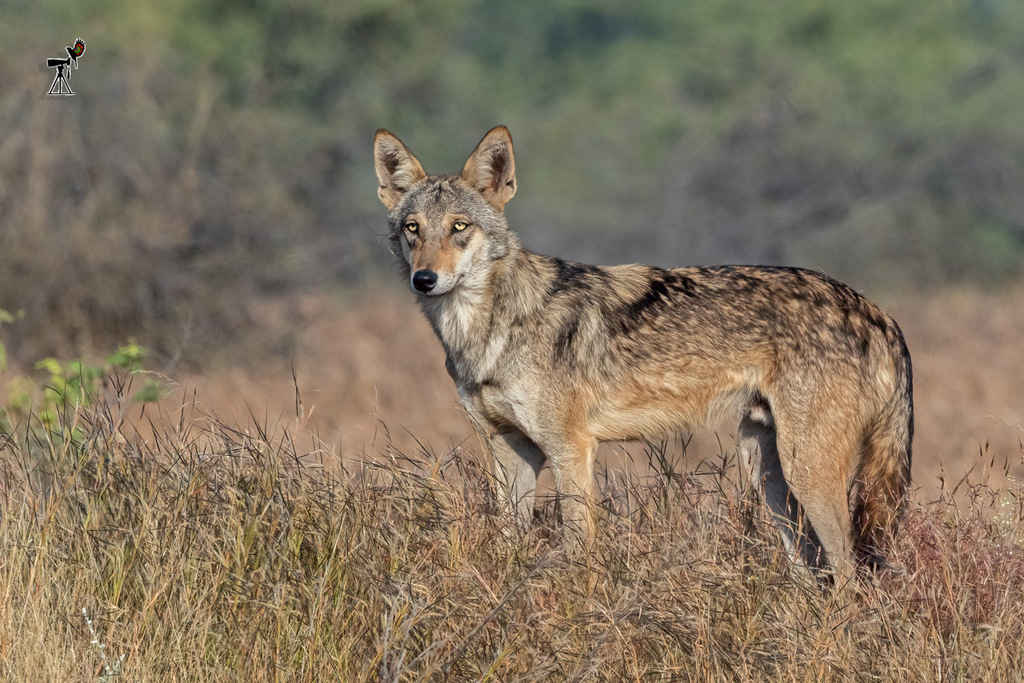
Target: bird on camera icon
{"x": 60, "y": 85}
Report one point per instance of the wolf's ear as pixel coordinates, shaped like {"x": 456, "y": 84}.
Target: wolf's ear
{"x": 397, "y": 169}
{"x": 492, "y": 168}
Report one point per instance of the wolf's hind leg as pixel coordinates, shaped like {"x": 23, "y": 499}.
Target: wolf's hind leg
{"x": 816, "y": 470}
{"x": 824, "y": 497}
{"x": 517, "y": 462}
{"x": 762, "y": 470}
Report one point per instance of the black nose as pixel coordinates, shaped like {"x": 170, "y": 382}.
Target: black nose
{"x": 424, "y": 280}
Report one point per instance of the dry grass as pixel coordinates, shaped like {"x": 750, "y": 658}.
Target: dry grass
{"x": 214, "y": 551}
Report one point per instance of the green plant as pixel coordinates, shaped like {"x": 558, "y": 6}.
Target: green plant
{"x": 5, "y": 317}
{"x": 71, "y": 385}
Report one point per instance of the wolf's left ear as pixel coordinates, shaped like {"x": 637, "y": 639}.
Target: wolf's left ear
{"x": 397, "y": 169}
{"x": 492, "y": 168}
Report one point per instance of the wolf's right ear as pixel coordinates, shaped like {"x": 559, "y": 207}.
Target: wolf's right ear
{"x": 397, "y": 169}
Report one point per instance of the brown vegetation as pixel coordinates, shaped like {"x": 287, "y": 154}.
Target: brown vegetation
{"x": 222, "y": 551}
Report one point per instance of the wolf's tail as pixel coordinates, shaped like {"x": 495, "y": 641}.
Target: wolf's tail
{"x": 883, "y": 474}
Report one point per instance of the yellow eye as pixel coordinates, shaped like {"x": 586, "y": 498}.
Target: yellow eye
{"x": 460, "y": 225}
{"x": 412, "y": 226}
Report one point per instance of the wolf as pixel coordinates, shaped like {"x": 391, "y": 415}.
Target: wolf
{"x": 551, "y": 358}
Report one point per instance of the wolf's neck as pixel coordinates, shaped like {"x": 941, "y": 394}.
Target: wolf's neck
{"x": 473, "y": 320}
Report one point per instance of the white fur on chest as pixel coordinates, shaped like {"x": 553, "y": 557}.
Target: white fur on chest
{"x": 463, "y": 323}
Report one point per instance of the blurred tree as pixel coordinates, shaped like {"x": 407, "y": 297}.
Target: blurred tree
{"x": 218, "y": 152}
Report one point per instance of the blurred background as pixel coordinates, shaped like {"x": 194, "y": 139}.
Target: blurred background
{"x": 209, "y": 191}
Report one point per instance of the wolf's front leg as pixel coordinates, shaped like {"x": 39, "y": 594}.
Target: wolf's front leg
{"x": 517, "y": 462}
{"x": 573, "y": 467}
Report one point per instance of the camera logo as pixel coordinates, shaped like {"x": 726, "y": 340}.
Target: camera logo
{"x": 60, "y": 85}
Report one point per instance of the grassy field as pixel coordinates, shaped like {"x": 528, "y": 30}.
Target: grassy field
{"x": 243, "y": 530}
{"x": 214, "y": 551}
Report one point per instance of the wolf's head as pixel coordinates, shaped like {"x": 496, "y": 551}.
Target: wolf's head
{"x": 449, "y": 230}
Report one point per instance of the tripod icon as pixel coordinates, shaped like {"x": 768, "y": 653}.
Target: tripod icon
{"x": 60, "y": 85}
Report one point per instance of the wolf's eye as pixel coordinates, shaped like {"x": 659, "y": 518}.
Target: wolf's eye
{"x": 412, "y": 226}
{"x": 460, "y": 225}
